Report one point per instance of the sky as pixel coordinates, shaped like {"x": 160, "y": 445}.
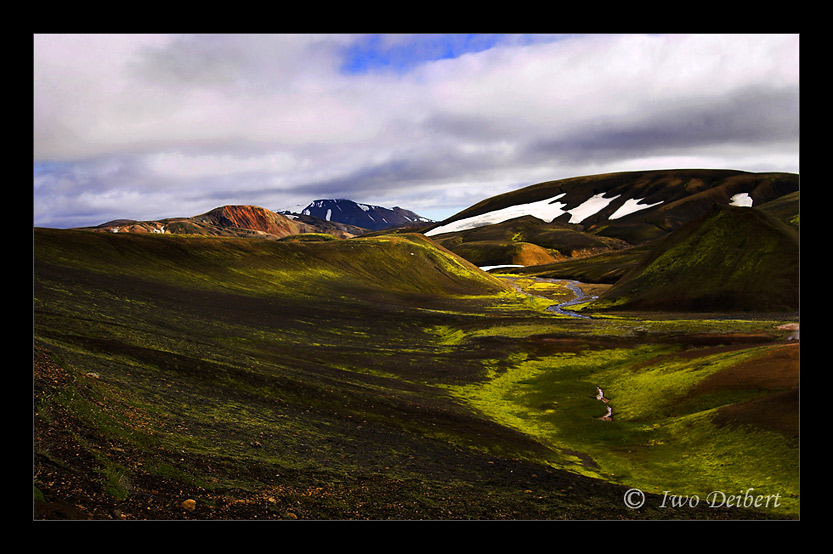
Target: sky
{"x": 145, "y": 127}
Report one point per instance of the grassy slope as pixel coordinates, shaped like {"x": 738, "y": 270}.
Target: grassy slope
{"x": 371, "y": 378}
{"x": 667, "y": 432}
{"x": 735, "y": 259}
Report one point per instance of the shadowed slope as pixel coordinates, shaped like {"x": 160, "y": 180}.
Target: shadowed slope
{"x": 736, "y": 259}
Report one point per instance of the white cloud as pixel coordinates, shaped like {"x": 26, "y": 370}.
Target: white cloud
{"x": 272, "y": 117}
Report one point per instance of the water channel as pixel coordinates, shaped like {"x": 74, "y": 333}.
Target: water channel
{"x": 574, "y": 286}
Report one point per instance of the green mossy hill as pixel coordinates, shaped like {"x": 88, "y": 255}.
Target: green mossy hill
{"x": 735, "y": 259}
{"x": 396, "y": 264}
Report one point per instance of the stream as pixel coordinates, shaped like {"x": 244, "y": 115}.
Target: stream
{"x": 580, "y": 297}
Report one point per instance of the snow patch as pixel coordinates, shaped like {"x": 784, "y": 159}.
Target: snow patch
{"x": 632, "y": 205}
{"x": 590, "y": 207}
{"x": 546, "y": 210}
{"x": 329, "y": 213}
{"x": 741, "y": 199}
{"x": 488, "y": 267}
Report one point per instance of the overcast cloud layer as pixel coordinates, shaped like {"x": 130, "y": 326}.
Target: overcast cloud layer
{"x": 147, "y": 127}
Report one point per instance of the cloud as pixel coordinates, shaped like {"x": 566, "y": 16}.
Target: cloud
{"x": 146, "y": 126}
{"x": 750, "y": 118}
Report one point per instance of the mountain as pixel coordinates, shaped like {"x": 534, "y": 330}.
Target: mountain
{"x": 249, "y": 217}
{"x": 732, "y": 259}
{"x": 583, "y": 216}
{"x": 632, "y": 206}
{"x": 234, "y": 220}
{"x": 365, "y": 216}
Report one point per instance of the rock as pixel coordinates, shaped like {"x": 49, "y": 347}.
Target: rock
{"x": 189, "y": 505}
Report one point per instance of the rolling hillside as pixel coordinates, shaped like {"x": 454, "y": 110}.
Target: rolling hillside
{"x": 608, "y": 267}
{"x": 734, "y": 259}
{"x": 402, "y": 263}
{"x": 631, "y": 206}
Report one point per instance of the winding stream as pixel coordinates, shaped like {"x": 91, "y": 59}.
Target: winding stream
{"x": 580, "y": 297}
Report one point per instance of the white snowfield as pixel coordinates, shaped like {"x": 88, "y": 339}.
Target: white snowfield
{"x": 543, "y": 209}
{"x": 630, "y": 206}
{"x": 546, "y": 210}
{"x": 741, "y": 199}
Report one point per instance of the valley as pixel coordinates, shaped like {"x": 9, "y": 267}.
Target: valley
{"x": 220, "y": 375}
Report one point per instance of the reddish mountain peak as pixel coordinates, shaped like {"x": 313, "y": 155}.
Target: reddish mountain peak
{"x": 252, "y": 217}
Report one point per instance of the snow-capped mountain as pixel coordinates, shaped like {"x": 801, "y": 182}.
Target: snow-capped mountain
{"x": 363, "y": 215}
{"x": 631, "y": 205}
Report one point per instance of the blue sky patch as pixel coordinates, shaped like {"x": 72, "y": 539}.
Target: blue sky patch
{"x": 401, "y": 53}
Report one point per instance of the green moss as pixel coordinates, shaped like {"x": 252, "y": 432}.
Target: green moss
{"x": 656, "y": 440}
{"x": 657, "y": 389}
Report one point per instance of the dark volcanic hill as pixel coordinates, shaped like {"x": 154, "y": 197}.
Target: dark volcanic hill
{"x": 361, "y": 215}
{"x": 569, "y": 219}
{"x": 732, "y": 259}
{"x": 633, "y": 206}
